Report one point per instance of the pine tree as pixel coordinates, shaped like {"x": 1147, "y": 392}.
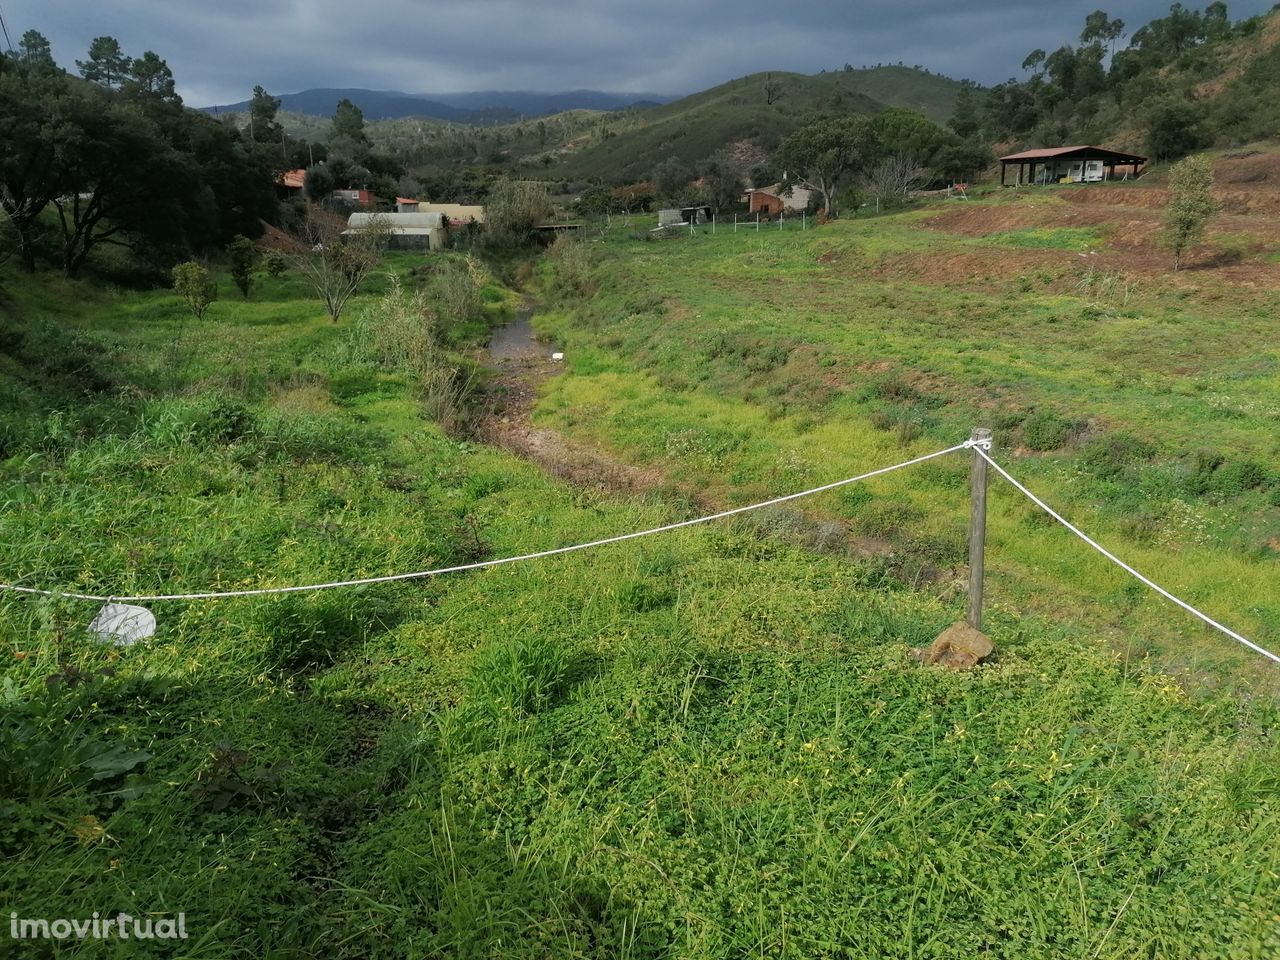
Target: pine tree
{"x": 34, "y": 50}
{"x": 107, "y": 65}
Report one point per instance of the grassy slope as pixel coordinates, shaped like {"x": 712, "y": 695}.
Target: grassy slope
{"x": 764, "y": 360}
{"x": 927, "y": 93}
{"x": 707, "y": 745}
{"x": 697, "y": 126}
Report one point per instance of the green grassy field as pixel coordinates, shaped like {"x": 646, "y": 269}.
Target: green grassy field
{"x": 747, "y": 363}
{"x": 712, "y": 744}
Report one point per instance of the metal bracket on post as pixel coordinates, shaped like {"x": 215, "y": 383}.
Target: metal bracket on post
{"x": 977, "y": 526}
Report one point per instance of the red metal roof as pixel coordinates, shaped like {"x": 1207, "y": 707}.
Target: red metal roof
{"x": 1052, "y": 152}
{"x": 407, "y": 200}
{"x": 293, "y": 179}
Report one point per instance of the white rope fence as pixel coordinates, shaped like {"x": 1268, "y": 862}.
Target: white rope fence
{"x": 1121, "y": 564}
{"x": 979, "y": 446}
{"x": 482, "y": 564}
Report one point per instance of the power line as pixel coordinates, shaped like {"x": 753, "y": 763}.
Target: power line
{"x": 5, "y": 28}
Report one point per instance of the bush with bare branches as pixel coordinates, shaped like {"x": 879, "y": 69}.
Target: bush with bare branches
{"x": 891, "y": 181}
{"x": 336, "y": 262}
{"x": 512, "y": 211}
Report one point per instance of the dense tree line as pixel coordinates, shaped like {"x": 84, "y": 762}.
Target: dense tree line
{"x": 1083, "y": 92}
{"x": 112, "y": 157}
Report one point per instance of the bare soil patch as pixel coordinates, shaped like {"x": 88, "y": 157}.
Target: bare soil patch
{"x": 1129, "y": 222}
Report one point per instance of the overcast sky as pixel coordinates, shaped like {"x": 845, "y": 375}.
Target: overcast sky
{"x": 219, "y": 49}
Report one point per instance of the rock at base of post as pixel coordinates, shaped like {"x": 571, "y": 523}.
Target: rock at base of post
{"x": 959, "y": 647}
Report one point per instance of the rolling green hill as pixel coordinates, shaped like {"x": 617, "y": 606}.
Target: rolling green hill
{"x": 898, "y": 86}
{"x": 625, "y": 145}
{"x": 629, "y": 144}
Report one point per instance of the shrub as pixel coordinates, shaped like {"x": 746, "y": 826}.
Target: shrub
{"x": 456, "y": 291}
{"x": 227, "y": 421}
{"x": 1234, "y": 478}
{"x": 243, "y": 257}
{"x": 1045, "y": 430}
{"x": 1191, "y": 204}
{"x": 1199, "y": 468}
{"x": 192, "y": 283}
{"x": 275, "y": 263}
{"x": 1110, "y": 456}
{"x": 894, "y": 387}
{"x": 403, "y": 330}
{"x": 571, "y": 268}
{"x": 513, "y": 209}
{"x": 518, "y": 676}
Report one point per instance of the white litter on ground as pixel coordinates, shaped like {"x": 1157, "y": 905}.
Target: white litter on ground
{"x": 123, "y": 624}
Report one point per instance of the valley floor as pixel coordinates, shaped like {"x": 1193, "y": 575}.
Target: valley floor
{"x": 713, "y": 744}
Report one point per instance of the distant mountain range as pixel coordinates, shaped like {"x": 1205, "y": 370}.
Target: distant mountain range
{"x": 481, "y": 107}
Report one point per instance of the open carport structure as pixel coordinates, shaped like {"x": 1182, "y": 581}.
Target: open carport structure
{"x": 1084, "y": 164}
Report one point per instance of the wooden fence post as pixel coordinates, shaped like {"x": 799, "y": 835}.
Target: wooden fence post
{"x": 977, "y": 529}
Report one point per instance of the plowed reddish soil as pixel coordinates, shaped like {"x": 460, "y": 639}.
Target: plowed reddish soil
{"x": 1128, "y": 221}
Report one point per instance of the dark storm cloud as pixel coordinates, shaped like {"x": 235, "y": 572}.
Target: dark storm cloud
{"x": 220, "y": 49}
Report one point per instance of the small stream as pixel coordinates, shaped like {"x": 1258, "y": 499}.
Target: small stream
{"x": 517, "y": 340}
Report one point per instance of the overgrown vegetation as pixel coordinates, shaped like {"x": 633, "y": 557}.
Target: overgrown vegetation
{"x": 698, "y": 746}
{"x": 728, "y": 361}
{"x": 716, "y": 743}
{"x": 514, "y": 208}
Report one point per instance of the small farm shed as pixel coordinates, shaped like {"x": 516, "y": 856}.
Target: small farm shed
{"x": 771, "y": 200}
{"x": 1085, "y": 164}
{"x": 409, "y": 231}
{"x": 359, "y": 198}
{"x": 684, "y": 215}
